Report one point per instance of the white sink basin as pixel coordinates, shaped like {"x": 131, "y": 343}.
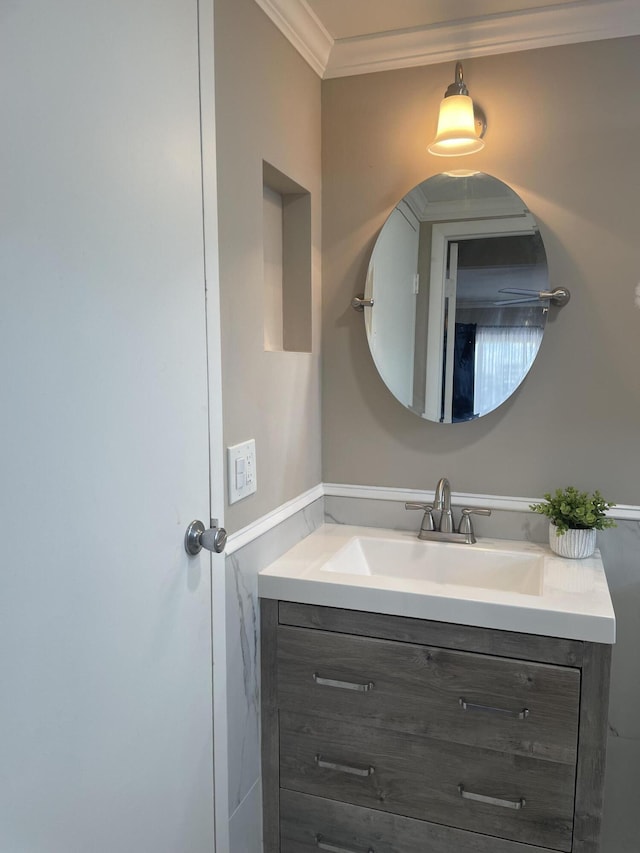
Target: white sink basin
{"x": 512, "y": 586}
{"x": 440, "y": 563}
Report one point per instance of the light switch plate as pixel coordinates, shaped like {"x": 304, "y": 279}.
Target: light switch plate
{"x": 241, "y": 470}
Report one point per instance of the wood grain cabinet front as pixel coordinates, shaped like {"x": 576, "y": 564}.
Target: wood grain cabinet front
{"x": 514, "y": 706}
{"x": 427, "y": 744}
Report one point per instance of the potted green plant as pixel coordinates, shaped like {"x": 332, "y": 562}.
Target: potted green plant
{"x": 574, "y": 518}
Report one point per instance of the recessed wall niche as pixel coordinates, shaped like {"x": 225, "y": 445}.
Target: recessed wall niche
{"x": 286, "y": 220}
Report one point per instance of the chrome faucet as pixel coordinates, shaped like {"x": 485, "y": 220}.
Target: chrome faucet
{"x": 442, "y": 502}
{"x": 446, "y": 529}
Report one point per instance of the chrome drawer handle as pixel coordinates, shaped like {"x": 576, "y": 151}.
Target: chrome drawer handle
{"x": 343, "y": 768}
{"x": 332, "y": 848}
{"x": 345, "y": 685}
{"x": 491, "y": 801}
{"x": 469, "y": 706}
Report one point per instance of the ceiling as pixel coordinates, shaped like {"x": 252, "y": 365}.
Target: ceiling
{"x": 356, "y": 18}
{"x": 339, "y": 38}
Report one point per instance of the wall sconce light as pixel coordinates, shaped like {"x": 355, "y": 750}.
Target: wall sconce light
{"x": 460, "y": 127}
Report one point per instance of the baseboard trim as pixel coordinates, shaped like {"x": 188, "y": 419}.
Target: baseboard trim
{"x": 622, "y": 512}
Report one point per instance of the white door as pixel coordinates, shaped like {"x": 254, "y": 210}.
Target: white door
{"x": 392, "y": 320}
{"x": 105, "y": 622}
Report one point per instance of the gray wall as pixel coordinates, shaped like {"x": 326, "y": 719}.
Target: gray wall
{"x": 267, "y": 108}
{"x": 564, "y": 134}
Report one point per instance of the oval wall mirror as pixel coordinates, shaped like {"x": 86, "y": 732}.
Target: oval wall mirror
{"x": 459, "y": 284}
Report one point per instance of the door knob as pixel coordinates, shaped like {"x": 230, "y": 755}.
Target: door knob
{"x": 198, "y": 537}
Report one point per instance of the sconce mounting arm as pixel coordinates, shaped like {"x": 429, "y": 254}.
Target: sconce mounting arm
{"x": 458, "y": 87}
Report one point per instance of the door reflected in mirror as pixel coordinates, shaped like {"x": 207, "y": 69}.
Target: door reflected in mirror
{"x": 454, "y": 276}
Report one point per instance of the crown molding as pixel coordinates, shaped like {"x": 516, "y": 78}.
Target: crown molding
{"x": 517, "y": 31}
{"x": 589, "y": 20}
{"x": 297, "y": 22}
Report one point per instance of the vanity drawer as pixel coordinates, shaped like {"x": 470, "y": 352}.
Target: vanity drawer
{"x": 312, "y": 825}
{"x": 508, "y": 705}
{"x": 508, "y": 796}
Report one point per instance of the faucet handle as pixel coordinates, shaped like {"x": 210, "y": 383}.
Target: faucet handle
{"x": 466, "y": 525}
{"x": 427, "y": 520}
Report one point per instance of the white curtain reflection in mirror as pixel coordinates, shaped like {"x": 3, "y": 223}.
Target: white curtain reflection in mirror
{"x": 503, "y": 356}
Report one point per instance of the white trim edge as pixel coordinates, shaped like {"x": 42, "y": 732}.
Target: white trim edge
{"x": 385, "y": 493}
{"x": 272, "y": 519}
{"x": 621, "y": 512}
{"x": 298, "y": 23}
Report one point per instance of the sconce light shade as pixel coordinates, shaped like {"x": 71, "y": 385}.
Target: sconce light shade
{"x": 456, "y": 134}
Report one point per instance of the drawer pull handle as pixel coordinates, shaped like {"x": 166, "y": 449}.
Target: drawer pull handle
{"x": 332, "y": 848}
{"x": 343, "y": 768}
{"x": 491, "y": 801}
{"x": 345, "y": 685}
{"x": 469, "y": 706}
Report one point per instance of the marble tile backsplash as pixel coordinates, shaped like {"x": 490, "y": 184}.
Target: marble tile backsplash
{"x": 502, "y": 524}
{"x": 620, "y": 548}
{"x": 243, "y": 669}
{"x": 245, "y": 825}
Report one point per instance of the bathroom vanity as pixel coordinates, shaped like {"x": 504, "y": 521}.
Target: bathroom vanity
{"x": 436, "y": 716}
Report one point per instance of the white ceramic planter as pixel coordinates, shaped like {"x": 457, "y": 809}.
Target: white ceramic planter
{"x": 575, "y": 544}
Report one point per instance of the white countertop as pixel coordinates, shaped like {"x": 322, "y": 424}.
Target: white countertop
{"x": 573, "y": 601}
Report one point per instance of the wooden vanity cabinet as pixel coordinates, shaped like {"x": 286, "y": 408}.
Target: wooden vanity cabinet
{"x": 395, "y": 735}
